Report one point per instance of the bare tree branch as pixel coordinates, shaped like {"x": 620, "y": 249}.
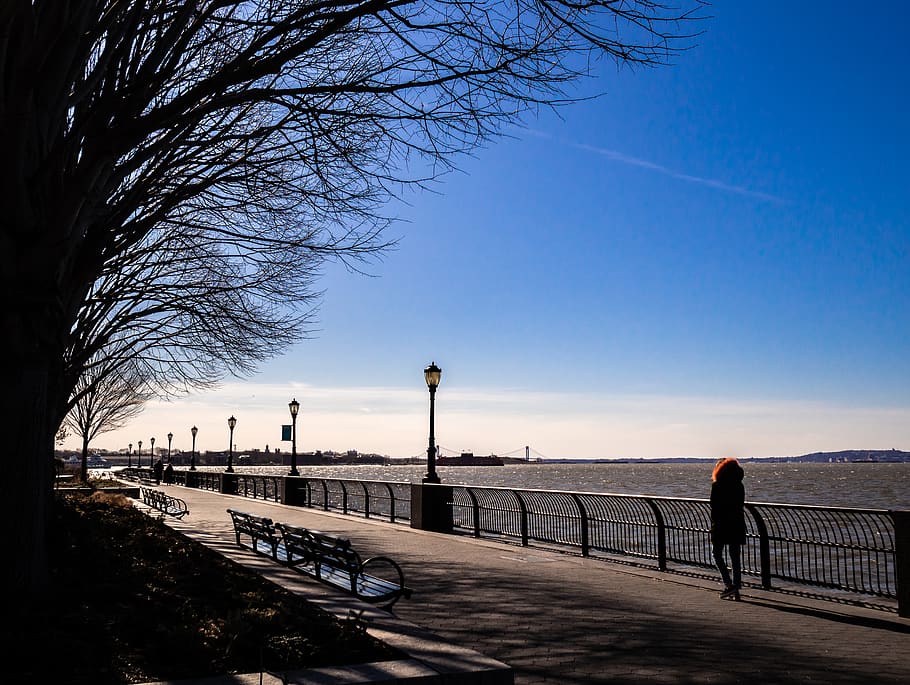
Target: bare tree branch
{"x": 108, "y": 393}
{"x": 177, "y": 173}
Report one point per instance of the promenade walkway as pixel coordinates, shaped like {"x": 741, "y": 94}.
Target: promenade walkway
{"x": 558, "y": 618}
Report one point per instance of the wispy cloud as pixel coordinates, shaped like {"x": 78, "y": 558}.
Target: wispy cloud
{"x": 628, "y": 160}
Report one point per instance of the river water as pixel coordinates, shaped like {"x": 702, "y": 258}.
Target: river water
{"x": 860, "y": 485}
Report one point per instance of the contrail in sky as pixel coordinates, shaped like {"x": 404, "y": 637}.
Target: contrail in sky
{"x": 651, "y": 166}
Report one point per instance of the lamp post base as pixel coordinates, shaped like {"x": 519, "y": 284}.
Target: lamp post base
{"x": 431, "y": 507}
{"x": 228, "y": 484}
{"x": 293, "y": 492}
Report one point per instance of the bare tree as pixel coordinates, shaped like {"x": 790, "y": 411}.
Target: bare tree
{"x": 108, "y": 394}
{"x": 176, "y": 172}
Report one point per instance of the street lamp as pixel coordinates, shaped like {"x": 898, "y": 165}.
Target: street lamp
{"x": 294, "y": 406}
{"x": 193, "y": 430}
{"x": 139, "y": 454}
{"x": 231, "y": 423}
{"x": 170, "y": 436}
{"x": 152, "y": 455}
{"x": 130, "y": 463}
{"x": 432, "y": 374}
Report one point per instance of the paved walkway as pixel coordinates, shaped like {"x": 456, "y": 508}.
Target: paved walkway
{"x": 558, "y": 618}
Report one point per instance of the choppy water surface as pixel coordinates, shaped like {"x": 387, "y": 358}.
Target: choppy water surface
{"x": 862, "y": 485}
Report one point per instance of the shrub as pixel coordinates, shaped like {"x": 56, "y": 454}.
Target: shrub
{"x": 135, "y": 601}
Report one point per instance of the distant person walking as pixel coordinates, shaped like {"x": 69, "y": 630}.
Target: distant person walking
{"x": 169, "y": 473}
{"x": 158, "y": 470}
{"x": 728, "y": 522}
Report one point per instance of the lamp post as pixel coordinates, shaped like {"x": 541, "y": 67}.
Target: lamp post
{"x": 130, "y": 453}
{"x": 432, "y": 374}
{"x": 152, "y": 453}
{"x": 231, "y": 423}
{"x": 193, "y": 430}
{"x": 170, "y": 436}
{"x": 294, "y": 406}
{"x": 139, "y": 455}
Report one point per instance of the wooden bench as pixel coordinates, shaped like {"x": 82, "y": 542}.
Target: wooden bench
{"x": 332, "y": 560}
{"x": 166, "y": 504}
{"x": 260, "y": 530}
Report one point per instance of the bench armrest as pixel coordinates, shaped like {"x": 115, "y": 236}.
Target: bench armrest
{"x": 374, "y": 567}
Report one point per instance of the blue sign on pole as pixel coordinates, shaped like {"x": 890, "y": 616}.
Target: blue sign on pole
{"x": 286, "y": 433}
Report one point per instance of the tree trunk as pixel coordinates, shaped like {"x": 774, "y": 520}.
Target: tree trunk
{"x": 29, "y": 454}
{"x": 83, "y": 468}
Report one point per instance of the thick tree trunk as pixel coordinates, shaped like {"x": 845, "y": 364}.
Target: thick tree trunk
{"x": 29, "y": 453}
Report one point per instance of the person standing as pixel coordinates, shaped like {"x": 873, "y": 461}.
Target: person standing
{"x": 728, "y": 522}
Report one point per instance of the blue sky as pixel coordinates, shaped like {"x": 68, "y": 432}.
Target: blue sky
{"x": 711, "y": 259}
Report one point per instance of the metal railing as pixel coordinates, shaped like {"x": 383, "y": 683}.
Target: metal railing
{"x": 850, "y": 550}
{"x": 259, "y": 487}
{"x": 372, "y": 499}
{"x": 843, "y": 549}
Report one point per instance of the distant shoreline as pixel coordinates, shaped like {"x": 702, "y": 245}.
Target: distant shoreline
{"x": 844, "y": 456}
{"x": 892, "y": 456}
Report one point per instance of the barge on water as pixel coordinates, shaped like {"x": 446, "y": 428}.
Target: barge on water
{"x": 469, "y": 459}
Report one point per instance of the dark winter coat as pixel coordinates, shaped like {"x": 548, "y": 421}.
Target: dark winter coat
{"x": 728, "y": 522}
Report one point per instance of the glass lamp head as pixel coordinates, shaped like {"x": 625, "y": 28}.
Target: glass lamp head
{"x": 432, "y": 374}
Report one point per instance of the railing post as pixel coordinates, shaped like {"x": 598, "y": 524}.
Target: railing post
{"x": 764, "y": 546}
{"x": 388, "y": 486}
{"x": 524, "y": 517}
{"x": 661, "y": 535}
{"x": 366, "y": 499}
{"x": 583, "y": 514}
{"x": 902, "y": 560}
{"x": 475, "y": 512}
